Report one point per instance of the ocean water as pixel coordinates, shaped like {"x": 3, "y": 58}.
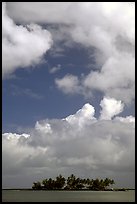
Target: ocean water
{"x": 67, "y": 196}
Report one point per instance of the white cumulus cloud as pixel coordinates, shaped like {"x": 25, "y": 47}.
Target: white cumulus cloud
{"x": 107, "y": 27}
{"x": 79, "y": 144}
{"x": 110, "y": 108}
{"x": 84, "y": 115}
{"x": 69, "y": 84}
{"x": 22, "y": 46}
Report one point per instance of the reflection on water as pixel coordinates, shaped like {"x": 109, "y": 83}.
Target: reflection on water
{"x": 67, "y": 196}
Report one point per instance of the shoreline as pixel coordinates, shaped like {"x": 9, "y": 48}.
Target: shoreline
{"x": 29, "y": 189}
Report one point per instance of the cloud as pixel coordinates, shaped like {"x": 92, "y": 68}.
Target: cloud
{"x": 110, "y": 108}
{"x": 86, "y": 114}
{"x": 69, "y": 84}
{"x": 22, "y": 46}
{"x": 127, "y": 119}
{"x": 79, "y": 144}
{"x": 116, "y": 78}
{"x": 55, "y": 69}
{"x": 110, "y": 32}
{"x": 50, "y": 12}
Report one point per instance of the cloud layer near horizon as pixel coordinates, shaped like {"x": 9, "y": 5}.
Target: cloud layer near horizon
{"x": 79, "y": 143}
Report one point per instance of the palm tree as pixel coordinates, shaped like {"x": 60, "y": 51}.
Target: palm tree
{"x": 88, "y": 181}
{"x": 45, "y": 182}
{"x": 59, "y": 182}
{"x": 112, "y": 182}
{"x": 49, "y": 184}
{"x": 36, "y": 186}
{"x": 102, "y": 185}
{"x": 108, "y": 181}
{"x": 96, "y": 184}
{"x": 71, "y": 181}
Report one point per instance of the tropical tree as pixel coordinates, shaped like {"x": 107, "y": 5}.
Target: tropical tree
{"x": 59, "y": 182}
{"x": 71, "y": 182}
{"x": 49, "y": 184}
{"x": 45, "y": 183}
{"x": 37, "y": 185}
{"x": 96, "y": 184}
{"x": 112, "y": 182}
{"x": 108, "y": 182}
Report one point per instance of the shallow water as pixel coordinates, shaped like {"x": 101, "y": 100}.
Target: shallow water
{"x": 67, "y": 196}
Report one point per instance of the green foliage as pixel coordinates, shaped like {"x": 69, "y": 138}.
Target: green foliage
{"x": 73, "y": 183}
{"x": 37, "y": 186}
{"x": 59, "y": 182}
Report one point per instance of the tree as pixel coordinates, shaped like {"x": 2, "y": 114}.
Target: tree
{"x": 59, "y": 182}
{"x": 107, "y": 182}
{"x": 88, "y": 181}
{"x": 102, "y": 185}
{"x": 49, "y": 184}
{"x": 71, "y": 182}
{"x": 96, "y": 184}
{"x": 112, "y": 182}
{"x": 37, "y": 185}
{"x": 45, "y": 183}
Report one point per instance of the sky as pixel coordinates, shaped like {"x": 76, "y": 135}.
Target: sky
{"x": 68, "y": 91}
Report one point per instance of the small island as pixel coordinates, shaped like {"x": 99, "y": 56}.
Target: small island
{"x": 74, "y": 183}
{"x": 70, "y": 189}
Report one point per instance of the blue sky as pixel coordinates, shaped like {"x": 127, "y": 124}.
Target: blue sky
{"x": 68, "y": 91}
{"x": 33, "y": 93}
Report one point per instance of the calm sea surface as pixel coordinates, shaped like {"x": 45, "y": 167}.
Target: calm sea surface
{"x": 67, "y": 196}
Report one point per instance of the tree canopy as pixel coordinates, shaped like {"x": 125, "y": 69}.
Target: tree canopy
{"x": 73, "y": 183}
